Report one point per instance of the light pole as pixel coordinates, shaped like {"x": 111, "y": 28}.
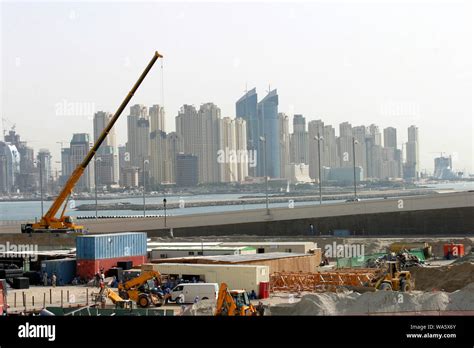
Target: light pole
{"x": 95, "y": 183}
{"x": 263, "y": 140}
{"x": 354, "y": 161}
{"x": 319, "y": 138}
{"x": 164, "y": 206}
{"x": 41, "y": 184}
{"x": 145, "y": 161}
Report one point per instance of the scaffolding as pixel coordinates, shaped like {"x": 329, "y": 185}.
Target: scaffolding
{"x": 321, "y": 281}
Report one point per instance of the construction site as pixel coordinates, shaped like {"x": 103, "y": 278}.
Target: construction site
{"x": 56, "y": 267}
{"x": 130, "y": 274}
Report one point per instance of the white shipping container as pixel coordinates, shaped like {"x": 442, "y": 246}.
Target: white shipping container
{"x": 247, "y": 277}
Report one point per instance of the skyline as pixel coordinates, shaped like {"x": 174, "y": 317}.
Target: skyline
{"x": 333, "y": 68}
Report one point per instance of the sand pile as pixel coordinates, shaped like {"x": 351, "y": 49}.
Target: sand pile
{"x": 466, "y": 258}
{"x": 447, "y": 278}
{"x": 203, "y": 307}
{"x": 377, "y": 302}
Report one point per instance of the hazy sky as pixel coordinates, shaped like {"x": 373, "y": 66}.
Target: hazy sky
{"x": 389, "y": 63}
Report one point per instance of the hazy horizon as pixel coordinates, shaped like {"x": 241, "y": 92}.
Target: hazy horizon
{"x": 392, "y": 64}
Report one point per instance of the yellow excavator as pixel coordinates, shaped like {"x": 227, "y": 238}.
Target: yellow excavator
{"x": 234, "y": 303}
{"x": 143, "y": 290}
{"x": 65, "y": 224}
{"x": 119, "y": 302}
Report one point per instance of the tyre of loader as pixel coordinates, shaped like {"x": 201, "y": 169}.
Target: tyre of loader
{"x": 385, "y": 287}
{"x": 143, "y": 301}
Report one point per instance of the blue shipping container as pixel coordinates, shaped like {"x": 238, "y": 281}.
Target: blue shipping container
{"x": 65, "y": 269}
{"x": 112, "y": 245}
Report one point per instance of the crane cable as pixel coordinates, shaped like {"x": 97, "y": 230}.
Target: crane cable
{"x": 162, "y": 88}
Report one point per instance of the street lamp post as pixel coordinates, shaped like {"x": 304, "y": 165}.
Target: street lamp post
{"x": 145, "y": 161}
{"x": 164, "y": 206}
{"x": 95, "y": 183}
{"x": 41, "y": 184}
{"x": 354, "y": 162}
{"x": 263, "y": 140}
{"x": 319, "y": 138}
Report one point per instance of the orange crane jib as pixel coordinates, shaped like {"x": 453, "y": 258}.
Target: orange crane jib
{"x": 49, "y": 218}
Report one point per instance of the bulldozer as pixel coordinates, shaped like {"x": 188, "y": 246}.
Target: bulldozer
{"x": 392, "y": 278}
{"x": 143, "y": 291}
{"x": 234, "y": 303}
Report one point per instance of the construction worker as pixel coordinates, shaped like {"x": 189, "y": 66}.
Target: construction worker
{"x": 196, "y": 299}
{"x": 45, "y": 278}
{"x": 53, "y": 280}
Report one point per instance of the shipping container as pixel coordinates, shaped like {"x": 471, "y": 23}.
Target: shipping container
{"x": 86, "y": 269}
{"x": 111, "y": 245}
{"x": 452, "y": 251}
{"x": 247, "y": 277}
{"x": 65, "y": 269}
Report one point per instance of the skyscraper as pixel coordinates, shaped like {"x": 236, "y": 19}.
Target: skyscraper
{"x": 9, "y": 167}
{"x": 174, "y": 146}
{"x": 284, "y": 121}
{"x": 315, "y": 130}
{"x": 299, "y": 141}
{"x": 79, "y": 147}
{"x": 233, "y": 157}
{"x": 246, "y": 108}
{"x": 158, "y": 145}
{"x": 187, "y": 170}
{"x": 390, "y": 137}
{"x": 269, "y": 127}
{"x": 360, "y": 134}
{"x": 200, "y": 134}
{"x": 138, "y": 129}
{"x": 44, "y": 157}
{"x": 107, "y": 157}
{"x": 412, "y": 165}
{"x": 344, "y": 145}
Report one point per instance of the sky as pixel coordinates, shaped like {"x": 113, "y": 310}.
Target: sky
{"x": 392, "y": 63}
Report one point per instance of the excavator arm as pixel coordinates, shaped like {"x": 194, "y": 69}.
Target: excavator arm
{"x": 141, "y": 279}
{"x": 225, "y": 302}
{"x": 49, "y": 221}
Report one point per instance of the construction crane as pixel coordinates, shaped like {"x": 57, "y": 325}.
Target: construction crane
{"x": 49, "y": 222}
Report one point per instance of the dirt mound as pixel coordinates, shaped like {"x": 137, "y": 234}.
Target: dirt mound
{"x": 466, "y": 258}
{"x": 378, "y": 302}
{"x": 448, "y": 278}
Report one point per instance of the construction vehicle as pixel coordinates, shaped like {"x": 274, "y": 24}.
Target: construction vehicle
{"x": 234, "y": 303}
{"x": 143, "y": 290}
{"x": 65, "y": 224}
{"x": 392, "y": 278}
{"x": 119, "y": 302}
{"x": 3, "y": 298}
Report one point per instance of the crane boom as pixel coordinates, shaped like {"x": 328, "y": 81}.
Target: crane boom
{"x": 49, "y": 221}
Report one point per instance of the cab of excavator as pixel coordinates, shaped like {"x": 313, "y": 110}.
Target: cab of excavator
{"x": 240, "y": 298}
